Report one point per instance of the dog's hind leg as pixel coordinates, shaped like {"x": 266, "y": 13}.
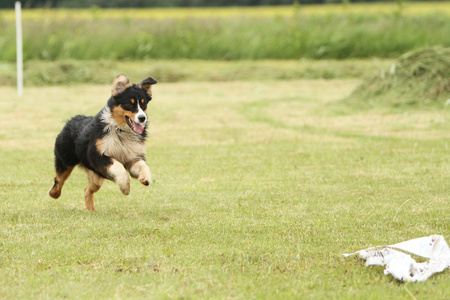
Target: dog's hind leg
{"x": 65, "y": 161}
{"x": 95, "y": 183}
{"x": 62, "y": 173}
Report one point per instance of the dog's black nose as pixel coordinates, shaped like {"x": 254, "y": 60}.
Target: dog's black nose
{"x": 142, "y": 119}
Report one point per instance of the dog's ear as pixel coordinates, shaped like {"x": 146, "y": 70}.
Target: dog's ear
{"x": 120, "y": 84}
{"x": 146, "y": 85}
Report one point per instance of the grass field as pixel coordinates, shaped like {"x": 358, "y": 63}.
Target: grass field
{"x": 260, "y": 186}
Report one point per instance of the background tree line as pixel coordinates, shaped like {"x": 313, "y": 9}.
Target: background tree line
{"x": 159, "y": 3}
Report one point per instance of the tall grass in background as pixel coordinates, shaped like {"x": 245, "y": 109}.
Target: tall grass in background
{"x": 299, "y": 35}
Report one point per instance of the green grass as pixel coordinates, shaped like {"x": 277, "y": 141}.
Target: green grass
{"x": 260, "y": 186}
{"x": 331, "y": 34}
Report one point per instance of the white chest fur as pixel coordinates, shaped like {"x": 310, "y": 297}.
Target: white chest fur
{"x": 123, "y": 146}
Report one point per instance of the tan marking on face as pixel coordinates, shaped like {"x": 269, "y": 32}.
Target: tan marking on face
{"x": 119, "y": 114}
{"x": 132, "y": 101}
{"x": 130, "y": 115}
{"x": 144, "y": 110}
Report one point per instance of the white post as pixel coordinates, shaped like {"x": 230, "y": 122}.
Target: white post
{"x": 19, "y": 49}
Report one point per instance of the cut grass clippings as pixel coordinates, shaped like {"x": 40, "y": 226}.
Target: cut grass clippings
{"x": 419, "y": 78}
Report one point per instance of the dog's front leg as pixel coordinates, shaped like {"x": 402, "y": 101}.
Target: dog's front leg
{"x": 140, "y": 170}
{"x": 118, "y": 173}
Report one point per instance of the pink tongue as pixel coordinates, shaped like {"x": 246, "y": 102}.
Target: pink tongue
{"x": 138, "y": 128}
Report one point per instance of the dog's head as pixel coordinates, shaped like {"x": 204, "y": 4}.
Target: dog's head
{"x": 128, "y": 104}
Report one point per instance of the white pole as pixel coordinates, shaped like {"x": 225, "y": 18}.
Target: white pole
{"x": 19, "y": 49}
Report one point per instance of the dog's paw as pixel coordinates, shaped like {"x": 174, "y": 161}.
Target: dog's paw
{"x": 145, "y": 178}
{"x": 123, "y": 181}
{"x": 145, "y": 181}
{"x": 55, "y": 191}
{"x": 125, "y": 188}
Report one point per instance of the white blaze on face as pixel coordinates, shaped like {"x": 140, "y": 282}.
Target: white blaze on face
{"x": 140, "y": 117}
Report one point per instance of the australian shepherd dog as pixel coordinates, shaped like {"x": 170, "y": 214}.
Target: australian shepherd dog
{"x": 109, "y": 145}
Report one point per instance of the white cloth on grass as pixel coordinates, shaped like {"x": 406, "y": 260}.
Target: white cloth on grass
{"x": 402, "y": 266}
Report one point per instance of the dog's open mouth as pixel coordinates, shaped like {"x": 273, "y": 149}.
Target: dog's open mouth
{"x": 135, "y": 127}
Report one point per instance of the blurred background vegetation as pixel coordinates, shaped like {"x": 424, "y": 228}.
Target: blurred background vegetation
{"x": 286, "y": 32}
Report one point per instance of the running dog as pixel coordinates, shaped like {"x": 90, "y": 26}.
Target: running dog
{"x": 109, "y": 144}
